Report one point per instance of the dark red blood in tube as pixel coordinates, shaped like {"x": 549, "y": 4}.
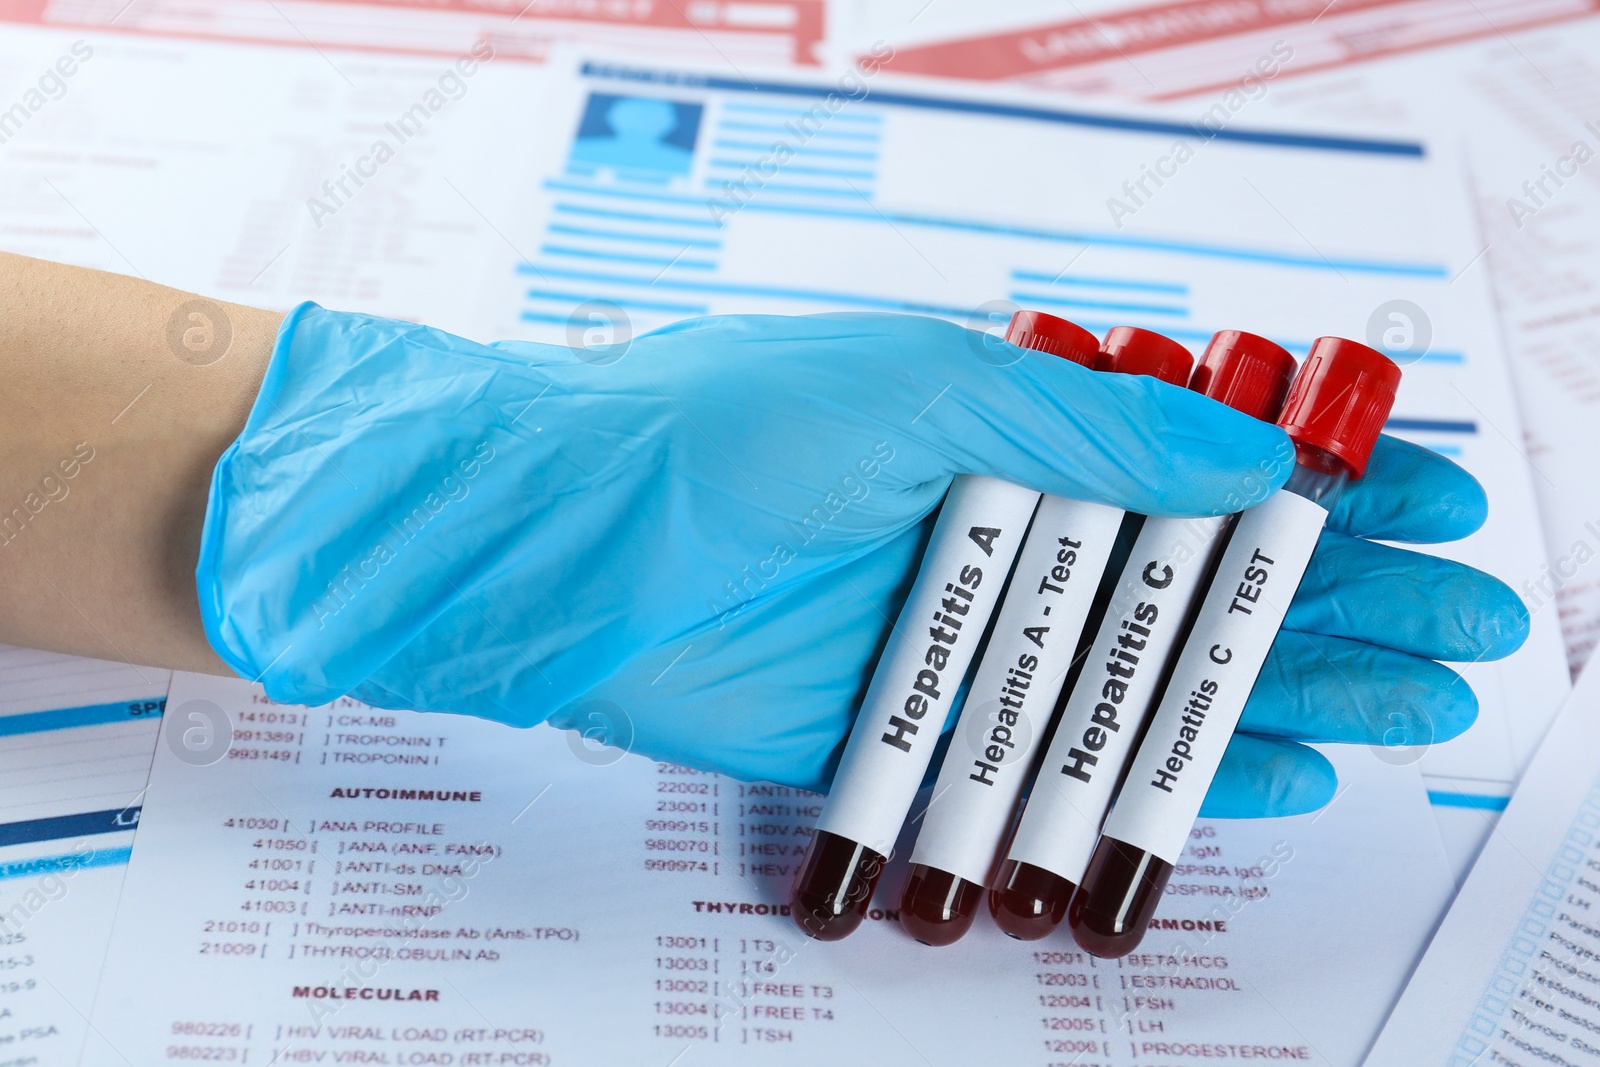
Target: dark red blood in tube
{"x": 1028, "y": 902}
{"x": 938, "y": 907}
{"x": 1334, "y": 412}
{"x": 836, "y": 880}
{"x": 835, "y": 884}
{"x": 1111, "y": 920}
{"x": 1249, "y": 374}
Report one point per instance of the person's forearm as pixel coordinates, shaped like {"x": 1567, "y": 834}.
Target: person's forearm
{"x": 118, "y": 396}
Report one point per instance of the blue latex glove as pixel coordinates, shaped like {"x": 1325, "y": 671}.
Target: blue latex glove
{"x": 703, "y": 540}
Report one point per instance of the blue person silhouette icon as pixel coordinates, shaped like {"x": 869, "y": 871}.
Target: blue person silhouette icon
{"x": 637, "y": 138}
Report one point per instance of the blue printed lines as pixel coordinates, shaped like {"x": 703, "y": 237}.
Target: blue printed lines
{"x": 663, "y": 241}
{"x": 61, "y": 827}
{"x": 35, "y": 722}
{"x": 1479, "y": 801}
{"x": 801, "y": 92}
{"x": 796, "y": 168}
{"x": 635, "y": 216}
{"x": 72, "y": 861}
{"x": 806, "y": 297}
{"x": 638, "y": 238}
{"x": 766, "y": 127}
{"x": 793, "y": 150}
{"x": 811, "y": 149}
{"x": 1096, "y": 293}
{"x": 1433, "y": 425}
{"x": 1069, "y": 303}
{"x": 922, "y": 220}
{"x": 1443, "y": 436}
{"x": 1137, "y": 285}
{"x": 623, "y": 257}
{"x": 574, "y": 299}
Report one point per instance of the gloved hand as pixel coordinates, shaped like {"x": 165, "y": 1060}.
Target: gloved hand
{"x": 1354, "y": 661}
{"x": 705, "y": 541}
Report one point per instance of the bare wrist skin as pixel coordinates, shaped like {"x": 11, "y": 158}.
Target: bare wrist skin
{"x": 119, "y": 396}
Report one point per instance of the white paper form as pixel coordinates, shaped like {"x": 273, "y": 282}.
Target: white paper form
{"x": 1174, "y": 50}
{"x": 1513, "y": 975}
{"x": 271, "y": 152}
{"x": 75, "y": 742}
{"x": 766, "y": 31}
{"x": 386, "y": 887}
{"x": 892, "y": 204}
{"x": 236, "y": 171}
{"x": 1527, "y": 109}
{"x": 1520, "y": 104}
{"x": 268, "y": 153}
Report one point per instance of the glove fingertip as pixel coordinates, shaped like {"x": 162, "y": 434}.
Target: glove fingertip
{"x": 1455, "y": 707}
{"x": 1305, "y": 782}
{"x": 1262, "y": 778}
{"x": 1463, "y": 508}
{"x": 1503, "y": 622}
{"x": 1456, "y": 503}
{"x": 1411, "y": 493}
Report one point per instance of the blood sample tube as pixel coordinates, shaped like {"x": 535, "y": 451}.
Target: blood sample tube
{"x": 1014, "y": 689}
{"x": 1127, "y": 661}
{"x": 1335, "y": 410}
{"x": 973, "y": 545}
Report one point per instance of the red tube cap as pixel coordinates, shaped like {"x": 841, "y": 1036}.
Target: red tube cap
{"x": 1341, "y": 399}
{"x": 1057, "y": 337}
{"x": 1130, "y": 350}
{"x": 1245, "y": 372}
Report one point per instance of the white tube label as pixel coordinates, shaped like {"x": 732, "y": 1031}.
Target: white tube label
{"x": 926, "y": 658}
{"x": 1113, "y": 695}
{"x": 1014, "y": 690}
{"x": 1233, "y": 632}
